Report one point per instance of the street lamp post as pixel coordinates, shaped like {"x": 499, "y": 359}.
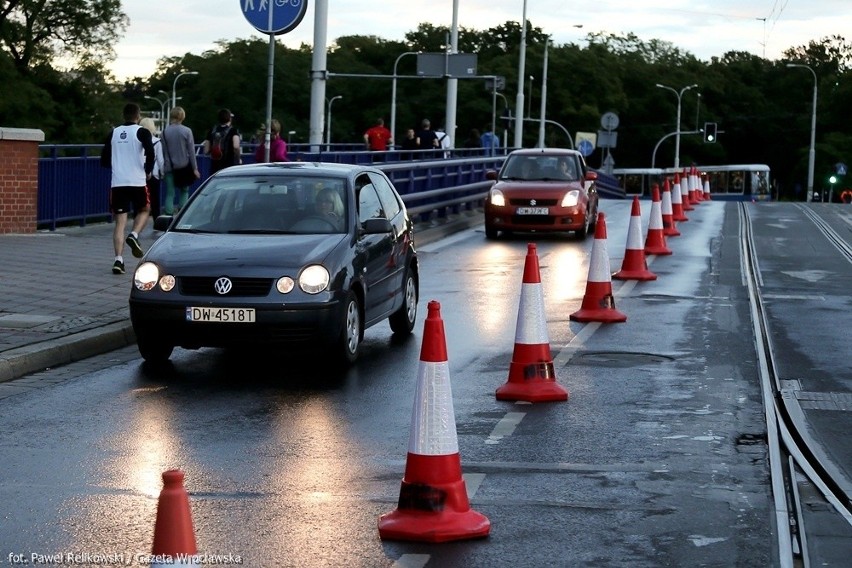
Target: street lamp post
{"x": 679, "y": 95}
{"x": 519, "y": 102}
{"x": 174, "y": 85}
{"x": 812, "y": 151}
{"x": 328, "y": 126}
{"x": 529, "y": 103}
{"x": 393, "y": 95}
{"x": 162, "y": 110}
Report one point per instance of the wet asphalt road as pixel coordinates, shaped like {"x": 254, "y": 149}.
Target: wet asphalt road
{"x": 651, "y": 462}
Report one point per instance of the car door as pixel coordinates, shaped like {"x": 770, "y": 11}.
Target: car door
{"x": 377, "y": 252}
{"x": 395, "y": 212}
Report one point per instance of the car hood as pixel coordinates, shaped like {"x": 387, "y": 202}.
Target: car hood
{"x": 560, "y": 187}
{"x": 177, "y": 250}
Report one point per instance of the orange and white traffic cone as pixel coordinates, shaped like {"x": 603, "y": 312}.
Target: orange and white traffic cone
{"x": 173, "y": 532}
{"x": 677, "y": 201}
{"x": 531, "y": 374}
{"x": 706, "y": 189}
{"x": 433, "y": 505}
{"x": 655, "y": 241}
{"x": 697, "y": 195}
{"x": 669, "y": 227}
{"x": 598, "y": 301}
{"x": 684, "y": 191}
{"x": 634, "y": 266}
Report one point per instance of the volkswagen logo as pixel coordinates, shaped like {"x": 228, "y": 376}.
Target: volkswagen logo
{"x": 532, "y": 202}
{"x": 223, "y": 285}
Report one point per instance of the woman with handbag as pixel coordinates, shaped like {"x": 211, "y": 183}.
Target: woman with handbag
{"x": 181, "y": 166}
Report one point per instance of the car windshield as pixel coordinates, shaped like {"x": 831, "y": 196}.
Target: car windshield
{"x": 540, "y": 168}
{"x": 268, "y": 205}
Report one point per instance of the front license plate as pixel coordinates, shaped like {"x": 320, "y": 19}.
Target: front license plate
{"x": 221, "y": 315}
{"x": 532, "y": 211}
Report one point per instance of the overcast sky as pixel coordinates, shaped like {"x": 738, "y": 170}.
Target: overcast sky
{"x": 705, "y": 28}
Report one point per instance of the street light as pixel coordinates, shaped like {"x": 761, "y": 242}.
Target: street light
{"x": 174, "y": 85}
{"x": 519, "y": 102}
{"x": 328, "y": 133}
{"x": 812, "y": 151}
{"x": 529, "y": 103}
{"x": 679, "y": 95}
{"x": 393, "y": 95}
{"x": 163, "y": 104}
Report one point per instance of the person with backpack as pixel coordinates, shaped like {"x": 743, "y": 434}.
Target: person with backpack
{"x": 181, "y": 164}
{"x": 223, "y": 143}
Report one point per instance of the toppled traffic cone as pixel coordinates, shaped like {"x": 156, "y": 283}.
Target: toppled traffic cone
{"x": 433, "y": 504}
{"x": 655, "y": 241}
{"x": 173, "y": 532}
{"x": 669, "y": 227}
{"x": 677, "y": 201}
{"x": 634, "y": 266}
{"x": 531, "y": 374}
{"x": 598, "y": 302}
{"x": 706, "y": 189}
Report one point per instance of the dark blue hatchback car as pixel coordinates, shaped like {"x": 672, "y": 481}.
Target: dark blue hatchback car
{"x": 294, "y": 253}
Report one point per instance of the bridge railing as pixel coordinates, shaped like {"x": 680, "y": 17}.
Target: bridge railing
{"x": 73, "y": 187}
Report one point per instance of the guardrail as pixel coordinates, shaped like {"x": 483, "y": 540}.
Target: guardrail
{"x": 73, "y": 187}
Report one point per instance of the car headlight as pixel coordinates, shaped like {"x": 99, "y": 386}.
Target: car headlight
{"x": 571, "y": 198}
{"x": 497, "y": 198}
{"x": 146, "y": 276}
{"x": 285, "y": 284}
{"x": 313, "y": 279}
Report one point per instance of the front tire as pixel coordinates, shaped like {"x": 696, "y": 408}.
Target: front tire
{"x": 348, "y": 345}
{"x": 152, "y": 349}
{"x": 490, "y": 232}
{"x": 402, "y": 321}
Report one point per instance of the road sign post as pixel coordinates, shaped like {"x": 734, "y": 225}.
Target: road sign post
{"x": 273, "y": 17}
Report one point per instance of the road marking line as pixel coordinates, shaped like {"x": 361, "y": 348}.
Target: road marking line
{"x": 412, "y": 561}
{"x": 505, "y": 427}
{"x": 472, "y": 481}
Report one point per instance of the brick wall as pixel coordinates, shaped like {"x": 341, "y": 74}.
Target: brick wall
{"x": 19, "y": 179}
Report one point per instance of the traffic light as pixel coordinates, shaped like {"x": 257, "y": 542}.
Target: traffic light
{"x": 709, "y": 132}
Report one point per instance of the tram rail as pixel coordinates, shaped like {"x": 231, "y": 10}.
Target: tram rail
{"x": 792, "y": 455}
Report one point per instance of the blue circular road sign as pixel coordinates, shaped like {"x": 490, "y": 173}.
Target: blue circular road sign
{"x": 274, "y": 16}
{"x": 586, "y": 148}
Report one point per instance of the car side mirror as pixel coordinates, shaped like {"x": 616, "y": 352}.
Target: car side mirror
{"x": 376, "y": 227}
{"x": 162, "y": 222}
{"x": 491, "y": 175}
{"x": 591, "y": 176}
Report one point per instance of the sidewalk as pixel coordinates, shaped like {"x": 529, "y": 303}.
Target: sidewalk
{"x": 60, "y": 301}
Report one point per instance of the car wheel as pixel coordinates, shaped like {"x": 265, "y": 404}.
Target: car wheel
{"x": 402, "y": 321}
{"x": 349, "y": 343}
{"x": 152, "y": 349}
{"x": 490, "y": 232}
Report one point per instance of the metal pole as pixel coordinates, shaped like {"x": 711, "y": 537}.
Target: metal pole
{"x": 543, "y": 98}
{"x": 393, "y": 95}
{"x": 519, "y": 102}
{"x": 270, "y": 71}
{"x": 174, "y": 85}
{"x": 328, "y": 126}
{"x": 679, "y": 95}
{"x": 812, "y": 150}
{"x": 452, "y": 82}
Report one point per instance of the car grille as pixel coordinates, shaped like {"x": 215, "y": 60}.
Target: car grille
{"x": 538, "y": 202}
{"x": 204, "y": 286}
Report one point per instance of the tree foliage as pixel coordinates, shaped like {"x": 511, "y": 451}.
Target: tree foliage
{"x": 762, "y": 108}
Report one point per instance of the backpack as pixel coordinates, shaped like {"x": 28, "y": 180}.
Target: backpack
{"x": 218, "y": 142}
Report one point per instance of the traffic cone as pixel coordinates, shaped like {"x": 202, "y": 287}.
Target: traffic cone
{"x": 697, "y": 194}
{"x": 706, "y": 189}
{"x": 433, "y": 505}
{"x": 173, "y": 532}
{"x": 531, "y": 374}
{"x": 634, "y": 266}
{"x": 677, "y": 201}
{"x": 598, "y": 302}
{"x": 669, "y": 227}
{"x": 655, "y": 241}
{"x": 684, "y": 191}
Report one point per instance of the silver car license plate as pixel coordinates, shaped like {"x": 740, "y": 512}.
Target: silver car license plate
{"x": 532, "y": 211}
{"x": 220, "y": 315}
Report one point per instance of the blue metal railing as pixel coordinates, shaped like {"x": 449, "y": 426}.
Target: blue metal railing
{"x": 73, "y": 187}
